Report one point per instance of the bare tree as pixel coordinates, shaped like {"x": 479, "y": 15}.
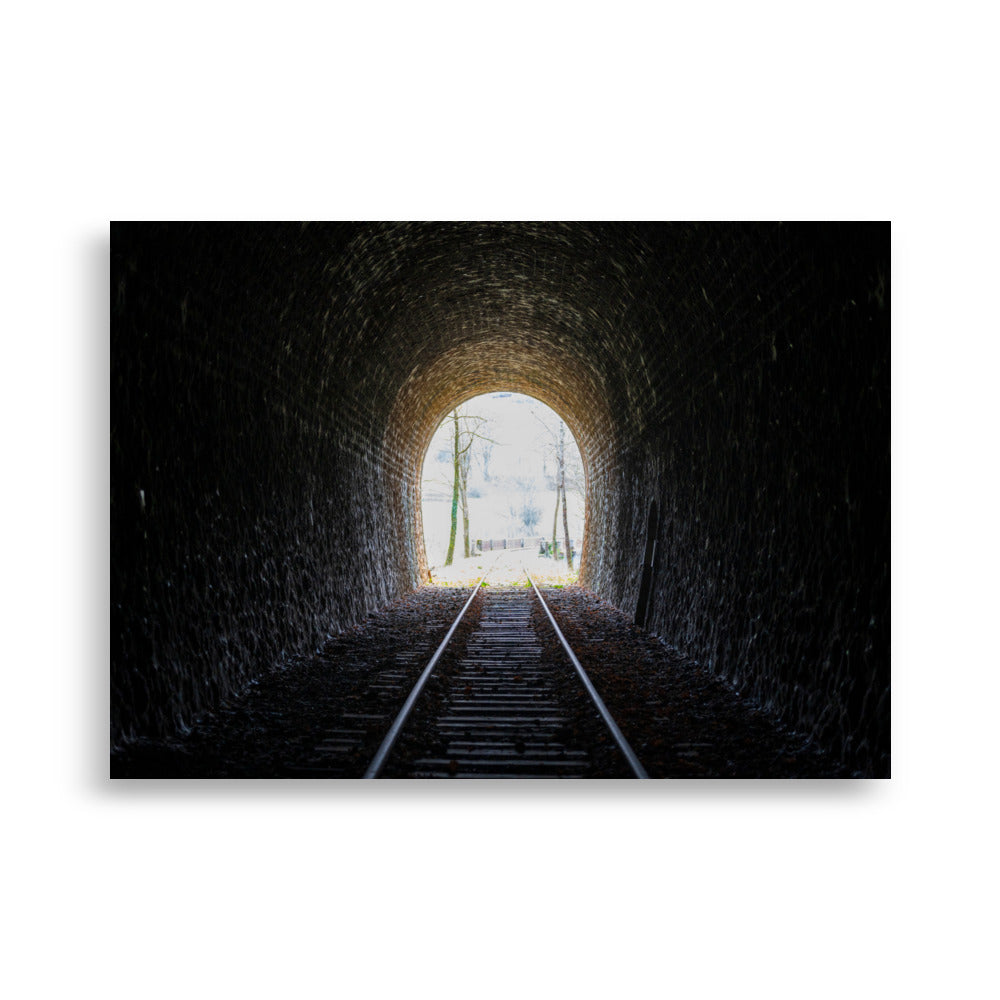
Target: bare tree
{"x": 464, "y": 463}
{"x": 561, "y": 486}
{"x": 456, "y": 452}
{"x": 464, "y": 435}
{"x": 555, "y": 438}
{"x": 555, "y": 520}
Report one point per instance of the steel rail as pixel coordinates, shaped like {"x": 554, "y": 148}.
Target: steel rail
{"x": 378, "y": 761}
{"x": 623, "y": 744}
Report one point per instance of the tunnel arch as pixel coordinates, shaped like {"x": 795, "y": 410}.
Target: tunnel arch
{"x": 493, "y": 365}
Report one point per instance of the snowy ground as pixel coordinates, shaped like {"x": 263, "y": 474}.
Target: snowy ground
{"x": 489, "y": 518}
{"x": 506, "y": 567}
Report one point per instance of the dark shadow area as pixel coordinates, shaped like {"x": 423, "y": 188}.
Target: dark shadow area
{"x": 648, "y": 566}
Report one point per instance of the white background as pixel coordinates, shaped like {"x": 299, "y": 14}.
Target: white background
{"x": 521, "y": 110}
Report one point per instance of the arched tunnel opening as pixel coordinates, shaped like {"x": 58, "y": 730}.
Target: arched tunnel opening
{"x": 501, "y": 473}
{"x": 274, "y": 387}
{"x": 503, "y": 360}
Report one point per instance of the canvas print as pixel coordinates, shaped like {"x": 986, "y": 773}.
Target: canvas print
{"x": 518, "y": 500}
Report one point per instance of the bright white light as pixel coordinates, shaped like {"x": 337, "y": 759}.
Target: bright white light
{"x": 511, "y": 479}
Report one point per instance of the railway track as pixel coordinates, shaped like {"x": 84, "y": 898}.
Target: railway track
{"x": 512, "y": 702}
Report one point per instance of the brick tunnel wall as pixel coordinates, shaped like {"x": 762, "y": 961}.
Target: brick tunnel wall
{"x": 248, "y": 501}
{"x": 274, "y": 387}
{"x": 769, "y": 467}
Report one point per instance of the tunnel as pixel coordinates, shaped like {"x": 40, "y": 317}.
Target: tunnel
{"x": 274, "y": 388}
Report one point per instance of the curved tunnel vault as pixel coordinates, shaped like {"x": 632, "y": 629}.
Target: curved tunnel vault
{"x": 274, "y": 388}
{"x": 502, "y": 364}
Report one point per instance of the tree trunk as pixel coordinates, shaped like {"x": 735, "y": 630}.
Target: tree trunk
{"x": 465, "y": 526}
{"x": 569, "y": 548}
{"x": 463, "y": 493}
{"x": 555, "y": 523}
{"x": 454, "y": 496}
{"x": 560, "y": 486}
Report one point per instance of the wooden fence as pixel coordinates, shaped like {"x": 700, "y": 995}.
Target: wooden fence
{"x": 537, "y": 544}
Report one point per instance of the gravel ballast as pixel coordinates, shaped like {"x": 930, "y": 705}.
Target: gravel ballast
{"x": 325, "y": 715}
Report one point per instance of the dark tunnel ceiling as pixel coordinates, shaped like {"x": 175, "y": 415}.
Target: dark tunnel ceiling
{"x": 569, "y": 313}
